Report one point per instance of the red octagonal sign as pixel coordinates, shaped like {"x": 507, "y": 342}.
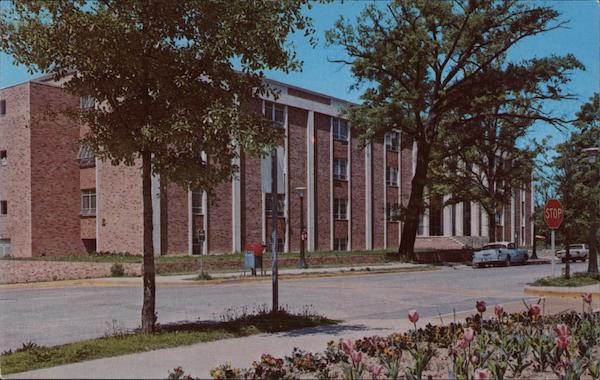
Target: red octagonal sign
{"x": 553, "y": 213}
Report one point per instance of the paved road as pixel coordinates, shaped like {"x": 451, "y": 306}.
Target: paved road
{"x": 50, "y": 316}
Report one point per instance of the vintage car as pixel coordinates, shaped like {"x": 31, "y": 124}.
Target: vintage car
{"x": 499, "y": 253}
{"x": 576, "y": 252}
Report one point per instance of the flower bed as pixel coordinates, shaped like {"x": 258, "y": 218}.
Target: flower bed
{"x": 519, "y": 345}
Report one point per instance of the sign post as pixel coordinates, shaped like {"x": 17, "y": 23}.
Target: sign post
{"x": 553, "y": 216}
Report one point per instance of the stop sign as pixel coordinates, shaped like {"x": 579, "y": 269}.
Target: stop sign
{"x": 553, "y": 213}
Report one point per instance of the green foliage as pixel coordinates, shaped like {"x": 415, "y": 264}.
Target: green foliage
{"x": 578, "y": 279}
{"x": 117, "y": 270}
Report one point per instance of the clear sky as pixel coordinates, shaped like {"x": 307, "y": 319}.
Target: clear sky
{"x": 581, "y": 37}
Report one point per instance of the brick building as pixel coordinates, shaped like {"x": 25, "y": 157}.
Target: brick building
{"x": 57, "y": 199}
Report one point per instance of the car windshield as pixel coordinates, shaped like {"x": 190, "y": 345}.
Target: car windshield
{"x": 576, "y": 246}
{"x": 494, "y": 246}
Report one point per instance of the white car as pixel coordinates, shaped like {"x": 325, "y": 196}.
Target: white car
{"x": 576, "y": 252}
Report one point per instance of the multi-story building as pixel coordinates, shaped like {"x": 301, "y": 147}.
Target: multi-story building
{"x": 56, "y": 198}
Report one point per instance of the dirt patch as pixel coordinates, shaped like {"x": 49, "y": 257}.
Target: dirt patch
{"x": 23, "y": 271}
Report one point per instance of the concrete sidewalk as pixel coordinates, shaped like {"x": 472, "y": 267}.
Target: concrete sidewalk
{"x": 197, "y": 360}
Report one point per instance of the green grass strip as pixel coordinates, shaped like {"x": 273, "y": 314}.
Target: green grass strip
{"x": 577, "y": 279}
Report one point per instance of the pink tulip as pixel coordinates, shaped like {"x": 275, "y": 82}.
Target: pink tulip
{"x": 376, "y": 370}
{"x": 562, "y": 342}
{"x": 562, "y": 330}
{"x": 462, "y": 344}
{"x": 482, "y": 374}
{"x": 499, "y": 310}
{"x": 480, "y": 306}
{"x": 469, "y": 334}
{"x": 535, "y": 310}
{"x": 348, "y": 347}
{"x": 474, "y": 359}
{"x": 587, "y": 298}
{"x": 413, "y": 316}
{"x": 356, "y": 357}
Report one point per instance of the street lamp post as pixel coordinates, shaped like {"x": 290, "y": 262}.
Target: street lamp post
{"x": 300, "y": 191}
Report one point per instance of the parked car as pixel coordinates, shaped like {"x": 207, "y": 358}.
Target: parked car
{"x": 576, "y": 252}
{"x": 500, "y": 253}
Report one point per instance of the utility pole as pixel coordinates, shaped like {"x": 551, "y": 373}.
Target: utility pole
{"x": 274, "y": 205}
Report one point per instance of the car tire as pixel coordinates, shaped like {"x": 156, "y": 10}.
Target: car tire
{"x": 506, "y": 262}
{"x": 525, "y": 259}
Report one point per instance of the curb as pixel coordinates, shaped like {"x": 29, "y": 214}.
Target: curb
{"x": 217, "y": 281}
{"x": 542, "y": 291}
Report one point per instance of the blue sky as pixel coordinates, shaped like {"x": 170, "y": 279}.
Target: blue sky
{"x": 580, "y": 37}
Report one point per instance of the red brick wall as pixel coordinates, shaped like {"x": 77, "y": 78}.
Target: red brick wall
{"x": 322, "y": 182}
{"x": 357, "y": 161}
{"x": 297, "y": 121}
{"x": 177, "y": 219}
{"x": 219, "y": 220}
{"x": 15, "y": 177}
{"x": 55, "y": 192}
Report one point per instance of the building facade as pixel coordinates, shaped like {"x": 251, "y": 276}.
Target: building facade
{"x": 56, "y": 198}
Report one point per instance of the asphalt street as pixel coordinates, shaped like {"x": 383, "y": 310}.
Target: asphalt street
{"x": 49, "y": 316}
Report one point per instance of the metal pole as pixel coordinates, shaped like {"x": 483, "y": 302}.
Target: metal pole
{"x": 553, "y": 252}
{"x": 302, "y": 263}
{"x": 274, "y": 204}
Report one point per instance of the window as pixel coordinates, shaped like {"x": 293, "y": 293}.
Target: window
{"x": 280, "y": 204}
{"x": 391, "y": 176}
{"x": 467, "y": 219}
{"x": 340, "y": 129}
{"x": 421, "y": 228}
{"x": 2, "y": 107}
{"x": 453, "y": 219}
{"x": 392, "y": 141}
{"x": 88, "y": 202}
{"x": 87, "y": 103}
{"x": 500, "y": 216}
{"x": 3, "y": 208}
{"x": 275, "y": 112}
{"x": 4, "y": 247}
{"x": 3, "y": 158}
{"x": 87, "y": 158}
{"x": 392, "y": 212}
{"x": 340, "y": 209}
{"x": 279, "y": 244}
{"x": 340, "y": 169}
{"x": 340, "y": 244}
{"x": 197, "y": 203}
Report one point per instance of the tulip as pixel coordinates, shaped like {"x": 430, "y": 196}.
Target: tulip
{"x": 469, "y": 334}
{"x": 498, "y": 310}
{"x": 562, "y": 342}
{"x": 474, "y": 360}
{"x": 348, "y": 347}
{"x": 356, "y": 357}
{"x": 462, "y": 344}
{"x": 482, "y": 374}
{"x": 562, "y": 330}
{"x": 587, "y": 298}
{"x": 480, "y": 306}
{"x": 376, "y": 370}
{"x": 413, "y": 316}
{"x": 535, "y": 310}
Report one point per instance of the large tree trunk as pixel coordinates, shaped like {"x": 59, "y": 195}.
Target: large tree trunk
{"x": 415, "y": 203}
{"x": 148, "y": 308}
{"x": 593, "y": 250}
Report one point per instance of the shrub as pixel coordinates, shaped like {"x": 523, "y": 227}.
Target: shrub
{"x": 117, "y": 270}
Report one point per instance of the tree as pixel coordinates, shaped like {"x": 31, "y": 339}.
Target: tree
{"x": 433, "y": 66}
{"x": 484, "y": 164}
{"x": 162, "y": 72}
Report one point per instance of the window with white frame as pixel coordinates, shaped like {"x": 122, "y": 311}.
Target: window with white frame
{"x": 276, "y": 113}
{"x": 86, "y": 156}
{"x": 392, "y": 141}
{"x": 3, "y": 208}
{"x": 340, "y": 129}
{"x": 87, "y": 103}
{"x": 391, "y": 176}
{"x": 340, "y": 209}
{"x": 197, "y": 198}
{"x": 340, "y": 244}
{"x": 340, "y": 169}
{"x": 500, "y": 216}
{"x": 3, "y": 158}
{"x": 421, "y": 228}
{"x": 88, "y": 202}
{"x": 280, "y": 205}
{"x": 392, "y": 212}
{"x": 280, "y": 243}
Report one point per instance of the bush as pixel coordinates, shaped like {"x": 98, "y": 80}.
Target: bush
{"x": 117, "y": 270}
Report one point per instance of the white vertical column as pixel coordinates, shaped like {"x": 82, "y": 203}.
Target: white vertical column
{"x": 190, "y": 225}
{"x": 385, "y": 224}
{"x": 512, "y": 217}
{"x": 459, "y": 222}
{"x": 475, "y": 219}
{"x": 156, "y": 214}
{"x": 349, "y": 246}
{"x": 447, "y": 217}
{"x": 485, "y": 223}
{"x": 205, "y": 221}
{"x": 399, "y": 182}
{"x": 368, "y": 199}
{"x": 236, "y": 212}
{"x": 331, "y": 222}
{"x": 426, "y": 215}
{"x": 310, "y": 179}
{"x": 531, "y": 215}
{"x": 98, "y": 208}
{"x": 286, "y": 184}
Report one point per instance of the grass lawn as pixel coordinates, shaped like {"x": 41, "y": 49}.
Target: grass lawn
{"x": 32, "y": 356}
{"x": 577, "y": 279}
